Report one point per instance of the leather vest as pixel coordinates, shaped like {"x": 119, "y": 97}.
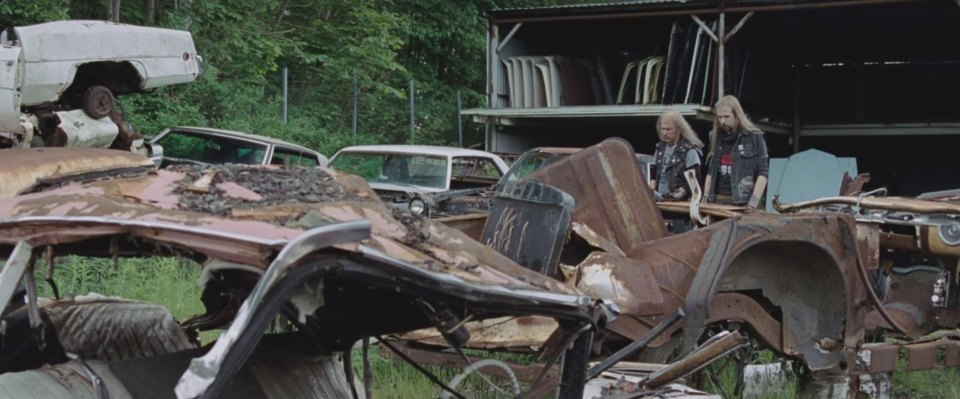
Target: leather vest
{"x": 672, "y": 169}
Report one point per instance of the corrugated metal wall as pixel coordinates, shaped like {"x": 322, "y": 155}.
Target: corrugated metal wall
{"x": 513, "y": 142}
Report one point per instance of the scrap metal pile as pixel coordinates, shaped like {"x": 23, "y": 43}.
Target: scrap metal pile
{"x": 574, "y": 262}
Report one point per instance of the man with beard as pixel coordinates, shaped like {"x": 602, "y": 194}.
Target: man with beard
{"x": 678, "y": 151}
{"x": 738, "y": 160}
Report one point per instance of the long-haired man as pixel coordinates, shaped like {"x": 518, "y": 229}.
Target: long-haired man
{"x": 738, "y": 162}
{"x": 679, "y": 150}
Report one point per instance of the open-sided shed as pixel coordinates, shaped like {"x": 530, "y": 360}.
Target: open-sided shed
{"x": 871, "y": 79}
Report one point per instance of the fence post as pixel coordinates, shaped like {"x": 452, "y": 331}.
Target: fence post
{"x": 284, "y": 95}
{"x": 459, "y": 121}
{"x": 354, "y": 111}
{"x": 412, "y": 121}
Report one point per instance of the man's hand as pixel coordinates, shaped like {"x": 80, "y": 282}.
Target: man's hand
{"x": 758, "y": 188}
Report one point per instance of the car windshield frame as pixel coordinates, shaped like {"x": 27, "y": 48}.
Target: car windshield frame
{"x": 403, "y": 169}
{"x": 525, "y": 165}
{"x": 211, "y": 148}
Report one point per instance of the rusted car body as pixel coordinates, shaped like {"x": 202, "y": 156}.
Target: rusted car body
{"x": 477, "y": 200}
{"x": 813, "y": 286}
{"x": 329, "y": 256}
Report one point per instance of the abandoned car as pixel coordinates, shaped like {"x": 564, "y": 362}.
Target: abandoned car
{"x": 58, "y": 80}
{"x": 198, "y": 145}
{"x": 310, "y": 245}
{"x": 477, "y": 200}
{"x": 821, "y": 287}
{"x": 399, "y": 172}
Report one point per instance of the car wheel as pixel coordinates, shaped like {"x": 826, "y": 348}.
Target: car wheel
{"x": 98, "y": 102}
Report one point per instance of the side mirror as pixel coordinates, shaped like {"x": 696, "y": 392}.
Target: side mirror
{"x": 155, "y": 152}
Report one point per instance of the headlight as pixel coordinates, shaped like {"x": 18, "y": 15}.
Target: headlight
{"x": 950, "y": 233}
{"x": 418, "y": 206}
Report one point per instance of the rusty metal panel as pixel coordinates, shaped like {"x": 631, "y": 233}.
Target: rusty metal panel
{"x": 612, "y": 196}
{"x": 226, "y": 223}
{"x": 951, "y": 355}
{"x": 528, "y": 223}
{"x": 630, "y": 284}
{"x": 524, "y": 333}
{"x": 596, "y": 240}
{"x": 728, "y": 306}
{"x": 470, "y": 224}
{"x": 884, "y": 203}
{"x": 922, "y": 356}
{"x": 21, "y": 169}
{"x": 877, "y": 358}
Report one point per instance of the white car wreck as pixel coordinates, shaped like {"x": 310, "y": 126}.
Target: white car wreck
{"x": 58, "y": 80}
{"x": 400, "y": 172}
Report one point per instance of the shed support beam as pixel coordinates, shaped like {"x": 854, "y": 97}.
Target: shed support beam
{"x": 509, "y": 36}
{"x": 737, "y": 26}
{"x": 707, "y": 29}
{"x": 721, "y": 57}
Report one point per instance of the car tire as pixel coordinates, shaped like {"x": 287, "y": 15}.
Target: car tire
{"x": 98, "y": 102}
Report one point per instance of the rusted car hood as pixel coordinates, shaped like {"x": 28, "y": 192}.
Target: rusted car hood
{"x": 21, "y": 169}
{"x": 245, "y": 215}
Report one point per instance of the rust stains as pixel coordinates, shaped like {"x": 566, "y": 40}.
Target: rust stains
{"x": 628, "y": 283}
{"x": 21, "y": 169}
{"x": 610, "y": 192}
{"x": 271, "y": 205}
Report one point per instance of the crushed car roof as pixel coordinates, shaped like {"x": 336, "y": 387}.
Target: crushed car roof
{"x": 245, "y": 215}
{"x": 26, "y": 168}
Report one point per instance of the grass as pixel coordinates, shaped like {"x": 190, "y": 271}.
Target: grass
{"x": 167, "y": 281}
{"x": 392, "y": 379}
{"x": 173, "y": 283}
{"x": 927, "y": 384}
{"x": 170, "y": 282}
{"x": 398, "y": 379}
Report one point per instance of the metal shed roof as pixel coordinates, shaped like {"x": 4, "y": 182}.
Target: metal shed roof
{"x": 625, "y": 9}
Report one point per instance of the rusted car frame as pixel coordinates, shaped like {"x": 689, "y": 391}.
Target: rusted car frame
{"x": 343, "y": 267}
{"x": 809, "y": 286}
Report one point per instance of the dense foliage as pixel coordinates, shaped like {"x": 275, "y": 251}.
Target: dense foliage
{"x": 328, "y": 46}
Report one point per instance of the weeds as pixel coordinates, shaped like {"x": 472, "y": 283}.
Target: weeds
{"x": 173, "y": 283}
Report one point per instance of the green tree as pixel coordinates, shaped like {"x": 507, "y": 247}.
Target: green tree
{"x": 27, "y": 12}
{"x": 328, "y": 46}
